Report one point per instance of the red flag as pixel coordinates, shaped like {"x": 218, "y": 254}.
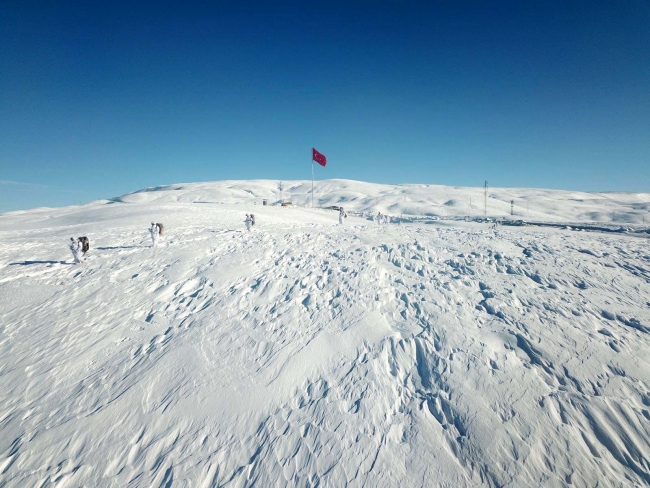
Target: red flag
{"x": 318, "y": 157}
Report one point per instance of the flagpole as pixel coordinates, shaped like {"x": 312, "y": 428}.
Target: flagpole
{"x": 312, "y": 181}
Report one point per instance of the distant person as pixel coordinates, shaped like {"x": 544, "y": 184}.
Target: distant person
{"x": 386, "y": 219}
{"x": 342, "y": 215}
{"x": 76, "y": 248}
{"x": 249, "y": 222}
{"x": 252, "y": 220}
{"x": 379, "y": 218}
{"x": 156, "y": 230}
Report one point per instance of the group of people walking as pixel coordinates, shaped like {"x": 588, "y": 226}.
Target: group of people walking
{"x": 80, "y": 246}
{"x": 382, "y": 218}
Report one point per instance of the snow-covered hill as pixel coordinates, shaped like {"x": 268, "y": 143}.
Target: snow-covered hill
{"x": 306, "y": 353}
{"x": 429, "y": 200}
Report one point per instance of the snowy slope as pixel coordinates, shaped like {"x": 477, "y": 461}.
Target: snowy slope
{"x": 311, "y": 354}
{"x": 432, "y": 200}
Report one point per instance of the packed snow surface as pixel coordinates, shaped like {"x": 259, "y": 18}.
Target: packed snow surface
{"x": 307, "y": 353}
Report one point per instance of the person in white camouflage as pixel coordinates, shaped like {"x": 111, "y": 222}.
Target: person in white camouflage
{"x": 76, "y": 248}
{"x": 155, "y": 234}
{"x": 342, "y": 215}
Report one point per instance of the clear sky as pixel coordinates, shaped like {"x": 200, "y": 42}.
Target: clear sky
{"x": 100, "y": 98}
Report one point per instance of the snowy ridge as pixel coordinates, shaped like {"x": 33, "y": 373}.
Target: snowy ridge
{"x": 311, "y": 354}
{"x": 429, "y": 200}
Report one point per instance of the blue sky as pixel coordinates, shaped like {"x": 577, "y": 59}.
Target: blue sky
{"x": 102, "y": 98}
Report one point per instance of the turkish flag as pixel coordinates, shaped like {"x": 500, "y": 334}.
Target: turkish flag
{"x": 318, "y": 157}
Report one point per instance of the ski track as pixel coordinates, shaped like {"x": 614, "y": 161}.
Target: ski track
{"x": 310, "y": 354}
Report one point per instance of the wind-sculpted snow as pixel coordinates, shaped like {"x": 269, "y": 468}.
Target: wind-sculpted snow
{"x": 306, "y": 353}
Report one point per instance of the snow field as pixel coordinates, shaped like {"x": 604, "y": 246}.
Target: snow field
{"x": 311, "y": 354}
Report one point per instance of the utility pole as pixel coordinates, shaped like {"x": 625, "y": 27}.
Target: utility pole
{"x": 485, "y": 199}
{"x": 512, "y": 207}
